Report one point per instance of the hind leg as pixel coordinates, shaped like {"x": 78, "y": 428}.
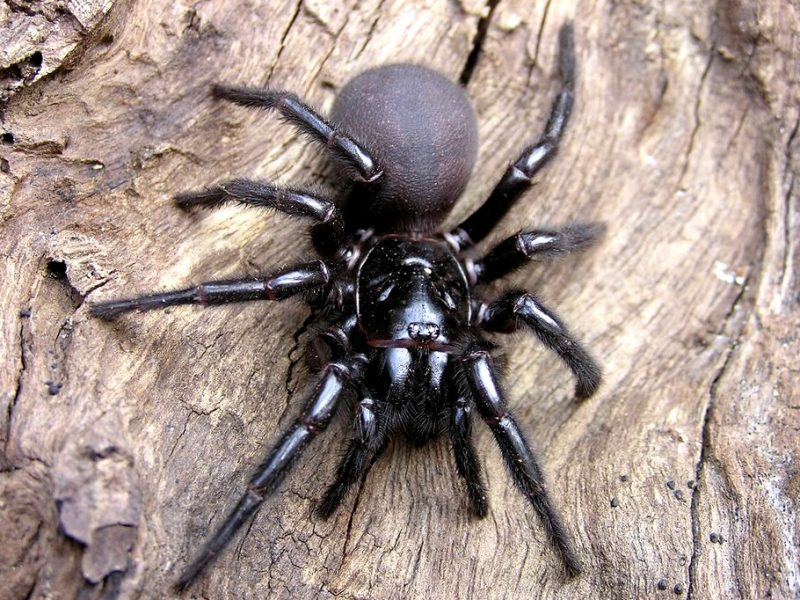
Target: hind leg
{"x": 519, "y": 176}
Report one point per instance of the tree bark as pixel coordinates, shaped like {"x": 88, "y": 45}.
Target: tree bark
{"x": 125, "y": 443}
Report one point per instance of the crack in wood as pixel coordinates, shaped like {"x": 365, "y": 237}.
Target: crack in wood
{"x": 29, "y": 594}
{"x": 294, "y": 359}
{"x": 737, "y": 321}
{"x": 477, "y": 43}
{"x": 314, "y": 78}
{"x": 371, "y": 30}
{"x": 786, "y": 277}
{"x": 697, "y": 105}
{"x": 180, "y": 436}
{"x": 788, "y": 264}
{"x": 282, "y": 45}
{"x": 7, "y": 464}
{"x": 539, "y": 39}
{"x": 415, "y": 566}
{"x": 351, "y": 516}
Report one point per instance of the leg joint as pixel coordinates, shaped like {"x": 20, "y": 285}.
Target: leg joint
{"x": 523, "y": 304}
{"x": 474, "y": 354}
{"x": 202, "y": 295}
{"x": 495, "y": 420}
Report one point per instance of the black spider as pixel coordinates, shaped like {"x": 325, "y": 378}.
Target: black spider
{"x": 396, "y": 320}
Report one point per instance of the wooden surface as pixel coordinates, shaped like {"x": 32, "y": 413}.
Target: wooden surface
{"x": 682, "y": 473}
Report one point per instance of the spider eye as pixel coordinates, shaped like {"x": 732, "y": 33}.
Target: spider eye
{"x": 377, "y": 281}
{"x": 448, "y": 299}
{"x": 444, "y": 295}
{"x": 386, "y": 292}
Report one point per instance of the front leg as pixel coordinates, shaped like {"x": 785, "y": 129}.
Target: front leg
{"x": 467, "y": 463}
{"x": 283, "y": 284}
{"x": 521, "y": 308}
{"x": 489, "y": 398}
{"x": 369, "y": 438}
{"x": 536, "y": 245}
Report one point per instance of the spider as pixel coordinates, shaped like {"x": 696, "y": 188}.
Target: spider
{"x": 396, "y": 318}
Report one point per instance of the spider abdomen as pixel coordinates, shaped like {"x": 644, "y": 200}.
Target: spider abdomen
{"x": 422, "y": 130}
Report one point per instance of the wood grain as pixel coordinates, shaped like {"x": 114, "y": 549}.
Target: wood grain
{"x": 125, "y": 443}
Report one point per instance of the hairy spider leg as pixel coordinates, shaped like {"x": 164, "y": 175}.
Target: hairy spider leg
{"x": 519, "y": 176}
{"x": 516, "y": 308}
{"x": 283, "y": 284}
{"x": 489, "y": 398}
{"x": 369, "y": 438}
{"x": 467, "y": 463}
{"x": 338, "y": 381}
{"x": 309, "y": 122}
{"x": 536, "y": 245}
{"x": 328, "y": 233}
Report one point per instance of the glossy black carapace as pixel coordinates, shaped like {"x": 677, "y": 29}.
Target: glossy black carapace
{"x": 398, "y": 321}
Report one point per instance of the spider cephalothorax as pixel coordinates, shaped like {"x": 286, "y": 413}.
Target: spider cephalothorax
{"x": 397, "y": 320}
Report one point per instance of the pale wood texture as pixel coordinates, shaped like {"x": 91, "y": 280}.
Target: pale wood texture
{"x": 683, "y": 140}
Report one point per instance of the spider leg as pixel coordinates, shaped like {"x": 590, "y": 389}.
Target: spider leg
{"x": 518, "y": 177}
{"x": 539, "y": 244}
{"x": 369, "y": 437}
{"x": 338, "y": 380}
{"x": 328, "y": 233}
{"x": 514, "y": 308}
{"x": 286, "y": 282}
{"x": 308, "y": 121}
{"x": 467, "y": 463}
{"x": 520, "y": 460}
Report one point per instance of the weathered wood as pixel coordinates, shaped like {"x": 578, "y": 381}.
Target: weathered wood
{"x": 680, "y": 474}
